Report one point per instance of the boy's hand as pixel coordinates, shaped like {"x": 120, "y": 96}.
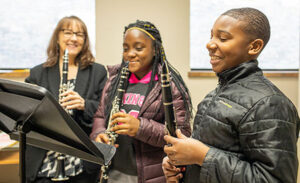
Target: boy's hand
{"x": 125, "y": 124}
{"x": 172, "y": 173}
{"x": 184, "y": 150}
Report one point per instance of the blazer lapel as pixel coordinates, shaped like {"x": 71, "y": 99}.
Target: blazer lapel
{"x": 82, "y": 81}
{"x": 54, "y": 80}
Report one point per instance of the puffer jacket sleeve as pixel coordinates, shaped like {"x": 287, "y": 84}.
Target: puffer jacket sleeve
{"x": 268, "y": 135}
{"x": 153, "y": 132}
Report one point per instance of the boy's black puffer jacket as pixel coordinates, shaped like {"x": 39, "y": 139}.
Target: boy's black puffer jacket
{"x": 251, "y": 127}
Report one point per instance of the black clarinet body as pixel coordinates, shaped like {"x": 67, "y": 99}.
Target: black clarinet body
{"x": 65, "y": 69}
{"x": 116, "y": 104}
{"x": 170, "y": 119}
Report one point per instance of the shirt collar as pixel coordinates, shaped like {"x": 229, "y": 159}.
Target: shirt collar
{"x": 145, "y": 80}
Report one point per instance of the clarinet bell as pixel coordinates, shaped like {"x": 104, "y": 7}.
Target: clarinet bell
{"x": 60, "y": 174}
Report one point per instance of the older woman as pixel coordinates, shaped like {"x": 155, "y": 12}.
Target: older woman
{"x": 85, "y": 81}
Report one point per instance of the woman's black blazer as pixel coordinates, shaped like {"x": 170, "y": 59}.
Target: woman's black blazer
{"x": 89, "y": 84}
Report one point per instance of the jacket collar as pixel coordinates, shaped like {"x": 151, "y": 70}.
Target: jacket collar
{"x": 113, "y": 69}
{"x": 241, "y": 71}
{"x": 146, "y": 79}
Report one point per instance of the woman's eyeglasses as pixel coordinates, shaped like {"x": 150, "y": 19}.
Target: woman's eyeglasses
{"x": 69, "y": 33}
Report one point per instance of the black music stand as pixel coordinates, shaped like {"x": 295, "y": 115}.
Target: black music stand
{"x": 30, "y": 114}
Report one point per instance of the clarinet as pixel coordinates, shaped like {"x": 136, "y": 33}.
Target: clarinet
{"x": 60, "y": 170}
{"x": 170, "y": 120}
{"x": 117, "y": 102}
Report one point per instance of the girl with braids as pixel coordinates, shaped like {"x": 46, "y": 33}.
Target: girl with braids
{"x": 140, "y": 125}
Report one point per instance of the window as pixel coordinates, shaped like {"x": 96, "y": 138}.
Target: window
{"x": 282, "y": 51}
{"x": 27, "y": 26}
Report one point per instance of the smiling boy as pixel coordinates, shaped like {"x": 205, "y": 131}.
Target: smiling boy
{"x": 246, "y": 129}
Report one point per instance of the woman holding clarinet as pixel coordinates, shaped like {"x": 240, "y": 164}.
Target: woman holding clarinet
{"x": 72, "y": 76}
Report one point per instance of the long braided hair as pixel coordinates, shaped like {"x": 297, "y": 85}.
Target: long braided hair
{"x": 158, "y": 59}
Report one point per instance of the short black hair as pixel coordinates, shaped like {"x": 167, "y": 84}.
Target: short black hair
{"x": 256, "y": 23}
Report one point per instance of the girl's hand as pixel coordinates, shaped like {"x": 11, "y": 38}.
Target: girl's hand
{"x": 125, "y": 124}
{"x": 103, "y": 138}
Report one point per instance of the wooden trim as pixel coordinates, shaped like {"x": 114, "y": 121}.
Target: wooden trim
{"x": 203, "y": 73}
{"x": 281, "y": 73}
{"x": 9, "y": 157}
{"x": 15, "y": 74}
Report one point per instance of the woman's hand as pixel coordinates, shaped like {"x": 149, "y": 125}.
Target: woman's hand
{"x": 125, "y": 124}
{"x": 172, "y": 173}
{"x": 72, "y": 100}
{"x": 184, "y": 150}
